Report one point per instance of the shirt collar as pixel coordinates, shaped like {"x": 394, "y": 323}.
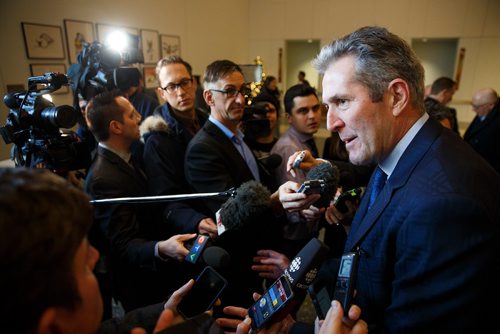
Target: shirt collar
{"x": 389, "y": 164}
{"x": 303, "y": 137}
{"x": 229, "y": 134}
{"x": 125, "y": 156}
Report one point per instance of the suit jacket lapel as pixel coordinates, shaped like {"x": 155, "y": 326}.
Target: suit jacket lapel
{"x": 122, "y": 165}
{"x": 364, "y": 221}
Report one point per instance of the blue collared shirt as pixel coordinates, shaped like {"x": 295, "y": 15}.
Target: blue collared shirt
{"x": 240, "y": 145}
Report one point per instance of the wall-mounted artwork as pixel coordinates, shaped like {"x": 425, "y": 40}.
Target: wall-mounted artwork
{"x": 43, "y": 41}
{"x": 150, "y": 46}
{"x": 103, "y": 31}
{"x": 39, "y": 69}
{"x": 170, "y": 45}
{"x": 77, "y": 33}
{"x": 150, "y": 77}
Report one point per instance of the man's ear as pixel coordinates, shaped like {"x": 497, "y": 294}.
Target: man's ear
{"x": 115, "y": 127}
{"x": 288, "y": 118}
{"x": 209, "y": 97}
{"x": 399, "y": 94}
{"x": 49, "y": 322}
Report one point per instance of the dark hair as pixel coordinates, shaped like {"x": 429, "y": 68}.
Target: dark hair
{"x": 380, "y": 57}
{"x": 218, "y": 70}
{"x": 172, "y": 60}
{"x": 443, "y": 83}
{"x": 293, "y": 92}
{"x": 101, "y": 110}
{"x": 43, "y": 220}
{"x": 268, "y": 80}
{"x": 440, "y": 112}
{"x": 302, "y": 73}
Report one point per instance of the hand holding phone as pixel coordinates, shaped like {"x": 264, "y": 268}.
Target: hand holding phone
{"x": 350, "y": 195}
{"x": 202, "y": 296}
{"x": 197, "y": 248}
{"x": 271, "y": 302}
{"x": 311, "y": 187}
{"x": 346, "y": 279}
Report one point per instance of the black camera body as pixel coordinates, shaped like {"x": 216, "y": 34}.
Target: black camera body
{"x": 34, "y": 125}
{"x": 99, "y": 68}
{"x": 255, "y": 122}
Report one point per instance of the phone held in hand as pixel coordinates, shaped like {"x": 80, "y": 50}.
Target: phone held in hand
{"x": 320, "y": 298}
{"x": 349, "y": 195}
{"x": 346, "y": 279}
{"x": 204, "y": 293}
{"x": 271, "y": 302}
{"x": 312, "y": 187}
{"x": 298, "y": 159}
{"x": 197, "y": 248}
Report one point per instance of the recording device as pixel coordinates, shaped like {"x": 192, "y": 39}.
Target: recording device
{"x": 34, "y": 125}
{"x": 346, "y": 279}
{"x": 305, "y": 265}
{"x": 271, "y": 303}
{"x": 250, "y": 204}
{"x": 204, "y": 293}
{"x": 298, "y": 159}
{"x": 311, "y": 187}
{"x": 320, "y": 298}
{"x": 254, "y": 122}
{"x": 201, "y": 251}
{"x": 330, "y": 175}
{"x": 349, "y": 195}
{"x": 101, "y": 68}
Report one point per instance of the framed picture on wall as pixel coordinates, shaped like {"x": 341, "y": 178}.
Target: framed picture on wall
{"x": 39, "y": 69}
{"x": 170, "y": 45}
{"x": 77, "y": 33}
{"x": 150, "y": 77}
{"x": 150, "y": 46}
{"x": 43, "y": 41}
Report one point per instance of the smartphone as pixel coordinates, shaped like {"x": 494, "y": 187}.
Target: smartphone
{"x": 350, "y": 195}
{"x": 272, "y": 301}
{"x": 202, "y": 296}
{"x": 197, "y": 248}
{"x": 312, "y": 187}
{"x": 298, "y": 159}
{"x": 320, "y": 298}
{"x": 346, "y": 279}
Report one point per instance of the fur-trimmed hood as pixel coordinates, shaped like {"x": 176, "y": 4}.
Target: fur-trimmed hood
{"x": 154, "y": 123}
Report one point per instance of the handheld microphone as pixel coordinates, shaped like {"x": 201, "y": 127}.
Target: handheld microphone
{"x": 305, "y": 266}
{"x": 330, "y": 175}
{"x": 247, "y": 207}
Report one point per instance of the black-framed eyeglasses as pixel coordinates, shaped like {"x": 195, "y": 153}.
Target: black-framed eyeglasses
{"x": 233, "y": 92}
{"x": 184, "y": 84}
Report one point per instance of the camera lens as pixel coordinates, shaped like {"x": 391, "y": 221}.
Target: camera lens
{"x": 61, "y": 117}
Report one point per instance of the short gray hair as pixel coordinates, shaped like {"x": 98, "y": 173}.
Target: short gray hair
{"x": 380, "y": 57}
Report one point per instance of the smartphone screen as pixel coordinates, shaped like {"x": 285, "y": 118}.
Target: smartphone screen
{"x": 197, "y": 248}
{"x": 271, "y": 302}
{"x": 202, "y": 296}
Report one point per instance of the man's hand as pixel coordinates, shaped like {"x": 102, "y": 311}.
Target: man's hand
{"x": 174, "y": 246}
{"x": 270, "y": 264}
{"x": 336, "y": 323}
{"x": 291, "y": 200}
{"x": 305, "y": 164}
{"x": 208, "y": 226}
{"x": 312, "y": 214}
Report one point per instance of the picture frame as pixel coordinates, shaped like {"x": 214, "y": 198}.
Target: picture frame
{"x": 150, "y": 46}
{"x": 77, "y": 33}
{"x": 149, "y": 73}
{"x": 170, "y": 45}
{"x": 43, "y": 41}
{"x": 103, "y": 30}
{"x": 39, "y": 69}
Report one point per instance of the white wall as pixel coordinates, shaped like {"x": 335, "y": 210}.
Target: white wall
{"x": 242, "y": 29}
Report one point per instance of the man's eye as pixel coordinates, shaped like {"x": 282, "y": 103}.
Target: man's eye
{"x": 171, "y": 87}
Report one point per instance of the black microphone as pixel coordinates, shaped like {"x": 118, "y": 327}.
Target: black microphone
{"x": 247, "y": 207}
{"x": 304, "y": 267}
{"x": 202, "y": 251}
{"x": 330, "y": 175}
{"x": 216, "y": 257}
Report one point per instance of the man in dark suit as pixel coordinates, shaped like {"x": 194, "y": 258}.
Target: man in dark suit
{"x": 483, "y": 134}
{"x": 427, "y": 230}
{"x": 441, "y": 93}
{"x": 130, "y": 237}
{"x": 218, "y": 159}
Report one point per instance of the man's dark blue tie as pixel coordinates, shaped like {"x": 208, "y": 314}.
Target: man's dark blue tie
{"x": 379, "y": 179}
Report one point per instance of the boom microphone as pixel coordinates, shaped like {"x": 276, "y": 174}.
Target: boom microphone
{"x": 330, "y": 175}
{"x": 305, "y": 266}
{"x": 251, "y": 202}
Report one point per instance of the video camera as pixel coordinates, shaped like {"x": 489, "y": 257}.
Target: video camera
{"x": 99, "y": 68}
{"x": 34, "y": 125}
{"x": 255, "y": 123}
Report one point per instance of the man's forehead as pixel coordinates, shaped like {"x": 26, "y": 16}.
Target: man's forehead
{"x": 171, "y": 70}
{"x": 234, "y": 79}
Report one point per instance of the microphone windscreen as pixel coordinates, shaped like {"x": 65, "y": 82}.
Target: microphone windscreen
{"x": 252, "y": 200}
{"x": 330, "y": 175}
{"x": 305, "y": 266}
{"x": 216, "y": 257}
